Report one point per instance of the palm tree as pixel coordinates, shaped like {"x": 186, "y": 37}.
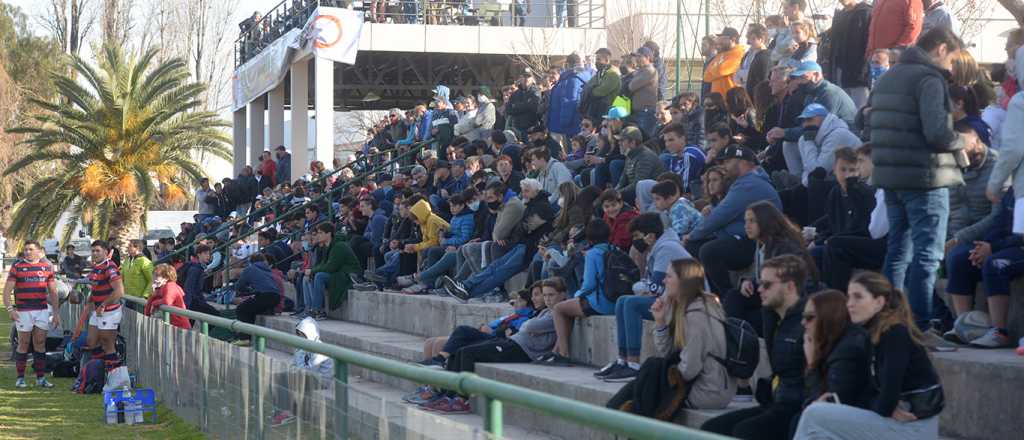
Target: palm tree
{"x": 116, "y": 138}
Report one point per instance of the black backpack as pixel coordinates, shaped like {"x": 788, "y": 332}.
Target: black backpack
{"x": 742, "y": 348}
{"x": 620, "y": 272}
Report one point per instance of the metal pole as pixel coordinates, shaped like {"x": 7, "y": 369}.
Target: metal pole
{"x": 261, "y": 344}
{"x": 707, "y": 17}
{"x": 493, "y": 418}
{"x": 341, "y": 399}
{"x": 205, "y": 417}
{"x": 167, "y": 316}
{"x": 679, "y": 43}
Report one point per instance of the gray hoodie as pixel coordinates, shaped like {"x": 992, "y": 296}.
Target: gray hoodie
{"x": 820, "y": 151}
{"x": 537, "y": 335}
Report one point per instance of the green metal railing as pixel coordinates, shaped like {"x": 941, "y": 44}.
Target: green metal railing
{"x": 494, "y": 393}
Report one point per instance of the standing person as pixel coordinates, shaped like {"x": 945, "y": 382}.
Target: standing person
{"x": 31, "y": 280}
{"x": 166, "y": 291}
{"x": 848, "y": 56}
{"x": 204, "y": 201}
{"x": 563, "y": 117}
{"x": 268, "y": 169}
{"x": 597, "y": 96}
{"x": 909, "y": 395}
{"x": 137, "y": 271}
{"x": 938, "y": 15}
{"x": 643, "y": 90}
{"x": 104, "y": 307}
{"x": 916, "y": 168}
{"x": 894, "y": 24}
{"x": 719, "y": 72}
{"x": 283, "y": 174}
{"x": 757, "y": 61}
{"x": 524, "y": 104}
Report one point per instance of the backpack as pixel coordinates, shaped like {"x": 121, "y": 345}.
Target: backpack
{"x": 620, "y": 272}
{"x": 92, "y": 377}
{"x": 742, "y": 348}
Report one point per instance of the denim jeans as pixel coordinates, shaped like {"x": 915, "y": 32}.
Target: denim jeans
{"x": 442, "y": 266}
{"x": 645, "y": 121}
{"x": 917, "y": 236}
{"x": 392, "y": 261}
{"x": 314, "y": 291}
{"x": 300, "y": 298}
{"x": 608, "y": 172}
{"x": 630, "y": 313}
{"x": 496, "y": 273}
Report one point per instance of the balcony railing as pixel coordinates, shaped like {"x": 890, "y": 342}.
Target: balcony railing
{"x": 258, "y": 31}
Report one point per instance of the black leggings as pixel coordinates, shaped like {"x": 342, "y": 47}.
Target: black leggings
{"x": 721, "y": 255}
{"x": 771, "y": 422}
{"x": 464, "y": 336}
{"x": 495, "y": 350}
{"x": 258, "y": 304}
{"x": 843, "y": 254}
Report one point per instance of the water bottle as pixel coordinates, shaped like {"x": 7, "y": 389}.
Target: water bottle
{"x": 1020, "y": 347}
{"x": 111, "y": 413}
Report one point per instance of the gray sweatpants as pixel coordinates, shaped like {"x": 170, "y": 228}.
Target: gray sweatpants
{"x": 831, "y": 421}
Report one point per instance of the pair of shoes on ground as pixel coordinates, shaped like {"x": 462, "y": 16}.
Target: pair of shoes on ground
{"x": 616, "y": 372}
{"x": 281, "y": 418}
{"x": 40, "y": 383}
{"x": 432, "y": 400}
{"x": 553, "y": 359}
{"x": 993, "y": 338}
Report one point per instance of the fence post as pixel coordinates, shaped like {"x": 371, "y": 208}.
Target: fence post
{"x": 493, "y": 415}
{"x": 341, "y": 399}
{"x": 261, "y": 344}
{"x": 205, "y": 413}
{"x": 167, "y": 316}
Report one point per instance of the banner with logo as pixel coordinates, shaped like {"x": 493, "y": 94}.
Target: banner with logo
{"x": 333, "y": 34}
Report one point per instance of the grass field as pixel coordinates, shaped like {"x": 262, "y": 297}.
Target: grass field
{"x": 57, "y": 413}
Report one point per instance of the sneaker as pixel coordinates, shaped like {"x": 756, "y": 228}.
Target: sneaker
{"x": 743, "y": 394}
{"x": 953, "y": 336}
{"x": 993, "y": 339}
{"x": 365, "y": 287}
{"x": 20, "y": 383}
{"x": 356, "y": 278}
{"x": 621, "y": 373}
{"x": 415, "y": 289}
{"x": 281, "y": 418}
{"x": 455, "y": 289}
{"x": 605, "y": 370}
{"x": 298, "y": 314}
{"x": 440, "y": 291}
{"x": 449, "y": 405}
{"x": 374, "y": 278}
{"x": 320, "y": 315}
{"x": 405, "y": 281}
{"x": 554, "y": 360}
{"x": 43, "y": 383}
{"x": 423, "y": 395}
{"x": 434, "y": 361}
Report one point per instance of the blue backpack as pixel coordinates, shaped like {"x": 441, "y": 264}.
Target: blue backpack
{"x": 92, "y": 377}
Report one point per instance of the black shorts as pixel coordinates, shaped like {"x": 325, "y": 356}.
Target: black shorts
{"x": 587, "y": 309}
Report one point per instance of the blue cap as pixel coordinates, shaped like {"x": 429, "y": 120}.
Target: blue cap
{"x": 813, "y": 111}
{"x": 616, "y": 113}
{"x": 805, "y": 68}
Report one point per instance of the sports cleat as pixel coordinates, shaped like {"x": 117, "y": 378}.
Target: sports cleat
{"x": 43, "y": 383}
{"x": 20, "y": 383}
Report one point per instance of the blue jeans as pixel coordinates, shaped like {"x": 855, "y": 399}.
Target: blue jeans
{"x": 300, "y": 298}
{"x": 442, "y": 266}
{"x": 630, "y": 313}
{"x": 392, "y": 262}
{"x": 496, "y": 273}
{"x": 645, "y": 120}
{"x": 917, "y": 236}
{"x": 608, "y": 172}
{"x": 314, "y": 291}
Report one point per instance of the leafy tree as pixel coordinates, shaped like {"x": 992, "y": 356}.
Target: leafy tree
{"x": 116, "y": 139}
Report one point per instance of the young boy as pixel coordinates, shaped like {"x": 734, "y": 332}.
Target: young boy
{"x": 503, "y": 327}
{"x": 685, "y": 160}
{"x": 680, "y": 212}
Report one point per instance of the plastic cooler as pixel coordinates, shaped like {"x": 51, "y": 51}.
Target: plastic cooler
{"x": 129, "y": 407}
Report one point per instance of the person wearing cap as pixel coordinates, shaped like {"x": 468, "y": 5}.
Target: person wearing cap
{"x": 824, "y": 133}
{"x": 641, "y": 163}
{"x": 847, "y": 60}
{"x": 284, "y": 165}
{"x": 719, "y": 72}
{"x": 563, "y": 118}
{"x": 609, "y": 161}
{"x": 483, "y": 119}
{"x": 720, "y": 241}
{"x": 894, "y": 23}
{"x": 918, "y": 156}
{"x": 539, "y": 137}
{"x": 602, "y": 88}
{"x": 807, "y": 83}
{"x": 442, "y": 121}
{"x": 643, "y": 92}
{"x": 524, "y": 105}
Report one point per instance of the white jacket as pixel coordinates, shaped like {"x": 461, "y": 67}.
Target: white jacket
{"x": 1008, "y": 168}
{"x": 820, "y": 152}
{"x": 316, "y": 363}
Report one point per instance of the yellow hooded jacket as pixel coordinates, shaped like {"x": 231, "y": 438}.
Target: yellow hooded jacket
{"x": 431, "y": 225}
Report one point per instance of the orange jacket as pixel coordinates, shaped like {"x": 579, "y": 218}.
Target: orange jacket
{"x": 894, "y": 23}
{"x": 721, "y": 69}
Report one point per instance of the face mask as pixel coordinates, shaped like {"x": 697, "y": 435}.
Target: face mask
{"x": 305, "y": 245}
{"x": 474, "y": 205}
{"x": 493, "y": 206}
{"x": 640, "y": 245}
{"x": 601, "y": 66}
{"x": 877, "y": 71}
{"x": 810, "y": 132}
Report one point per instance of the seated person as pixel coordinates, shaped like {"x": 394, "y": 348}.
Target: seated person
{"x": 632, "y": 310}
{"x": 837, "y": 352}
{"x": 258, "y": 292}
{"x": 682, "y": 216}
{"x": 438, "y": 350}
{"x": 617, "y": 215}
{"x": 167, "y": 292}
{"x": 501, "y": 214}
{"x": 823, "y": 133}
{"x": 535, "y": 337}
{"x": 690, "y": 334}
{"x": 440, "y": 260}
{"x": 330, "y": 275}
{"x": 431, "y": 227}
{"x": 72, "y": 264}
{"x": 641, "y": 163}
{"x": 685, "y": 160}
{"x": 195, "y": 293}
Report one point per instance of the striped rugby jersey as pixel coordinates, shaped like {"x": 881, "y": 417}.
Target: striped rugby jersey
{"x": 100, "y": 278}
{"x": 30, "y": 282}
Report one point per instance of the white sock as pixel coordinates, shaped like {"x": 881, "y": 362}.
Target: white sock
{"x": 620, "y": 361}
{"x": 633, "y": 365}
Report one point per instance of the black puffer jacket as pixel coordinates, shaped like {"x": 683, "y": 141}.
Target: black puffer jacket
{"x": 785, "y": 339}
{"x": 847, "y": 371}
{"x": 912, "y": 137}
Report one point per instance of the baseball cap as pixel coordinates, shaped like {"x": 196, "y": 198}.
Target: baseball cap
{"x": 730, "y": 32}
{"x": 616, "y": 113}
{"x": 735, "y": 151}
{"x": 805, "y": 68}
{"x": 814, "y": 111}
{"x": 631, "y": 133}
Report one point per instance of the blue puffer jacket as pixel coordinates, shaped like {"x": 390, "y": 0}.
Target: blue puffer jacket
{"x": 726, "y": 219}
{"x": 461, "y": 230}
{"x": 563, "y": 114}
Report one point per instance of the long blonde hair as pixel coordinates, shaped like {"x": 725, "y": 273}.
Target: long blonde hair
{"x": 896, "y": 311}
{"x": 691, "y": 287}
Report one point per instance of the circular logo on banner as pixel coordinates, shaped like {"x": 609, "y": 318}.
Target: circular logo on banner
{"x": 329, "y": 31}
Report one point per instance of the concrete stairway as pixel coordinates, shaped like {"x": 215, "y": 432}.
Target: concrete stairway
{"x": 982, "y": 387}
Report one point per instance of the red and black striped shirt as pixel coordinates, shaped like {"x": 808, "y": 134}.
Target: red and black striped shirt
{"x": 102, "y": 275}
{"x": 30, "y": 284}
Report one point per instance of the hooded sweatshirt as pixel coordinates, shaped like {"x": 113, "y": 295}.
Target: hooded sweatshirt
{"x": 256, "y": 278}
{"x": 1008, "y": 168}
{"x": 819, "y": 152}
{"x": 316, "y": 363}
{"x": 726, "y": 219}
{"x": 537, "y": 335}
{"x": 430, "y": 225}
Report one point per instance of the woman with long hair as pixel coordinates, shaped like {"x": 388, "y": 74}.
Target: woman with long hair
{"x": 688, "y": 336}
{"x": 805, "y": 45}
{"x": 715, "y": 113}
{"x": 743, "y": 118}
{"x": 715, "y": 184}
{"x": 166, "y": 291}
{"x": 775, "y": 235}
{"x": 837, "y": 352}
{"x": 551, "y": 253}
{"x": 908, "y": 396}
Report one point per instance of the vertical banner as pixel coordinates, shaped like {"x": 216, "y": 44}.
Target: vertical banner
{"x": 333, "y": 34}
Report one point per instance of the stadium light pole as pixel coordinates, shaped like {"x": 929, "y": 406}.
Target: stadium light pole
{"x": 679, "y": 43}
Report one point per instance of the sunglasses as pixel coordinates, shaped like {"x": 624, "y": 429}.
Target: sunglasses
{"x": 807, "y": 317}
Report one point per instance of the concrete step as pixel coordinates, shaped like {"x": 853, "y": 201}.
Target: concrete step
{"x": 983, "y": 393}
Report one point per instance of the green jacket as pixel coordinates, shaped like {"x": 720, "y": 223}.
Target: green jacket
{"x": 340, "y": 262}
{"x": 137, "y": 274}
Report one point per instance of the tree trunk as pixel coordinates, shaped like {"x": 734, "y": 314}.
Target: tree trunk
{"x": 126, "y": 223}
{"x": 1016, "y": 8}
